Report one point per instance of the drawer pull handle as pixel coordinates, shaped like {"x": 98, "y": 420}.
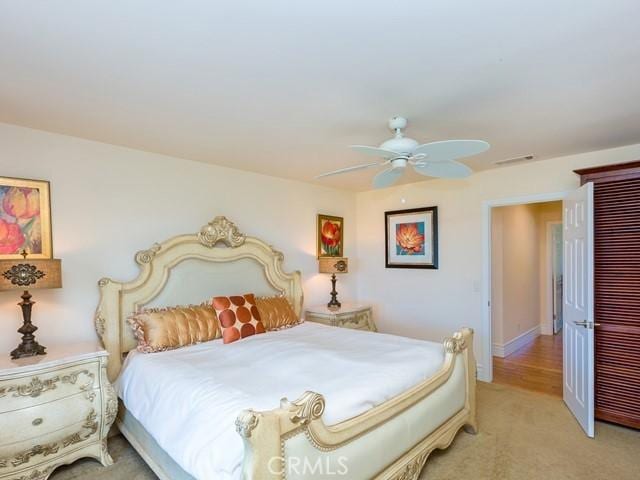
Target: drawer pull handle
{"x": 36, "y": 422}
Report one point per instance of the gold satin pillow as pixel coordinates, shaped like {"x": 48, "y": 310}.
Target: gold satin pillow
{"x": 168, "y": 328}
{"x": 276, "y": 313}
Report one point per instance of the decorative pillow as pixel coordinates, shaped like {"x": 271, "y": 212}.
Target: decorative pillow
{"x": 276, "y": 313}
{"x": 238, "y": 316}
{"x": 159, "y": 329}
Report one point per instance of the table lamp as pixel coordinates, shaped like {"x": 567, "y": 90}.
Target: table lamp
{"x": 20, "y": 275}
{"x": 333, "y": 265}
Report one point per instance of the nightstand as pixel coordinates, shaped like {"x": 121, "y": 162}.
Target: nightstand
{"x": 54, "y": 409}
{"x": 358, "y": 317}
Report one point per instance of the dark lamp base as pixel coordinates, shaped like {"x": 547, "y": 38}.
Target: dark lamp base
{"x": 29, "y": 347}
{"x": 28, "y": 350}
{"x": 334, "y": 304}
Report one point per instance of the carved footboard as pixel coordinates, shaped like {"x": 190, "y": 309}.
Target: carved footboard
{"x": 390, "y": 441}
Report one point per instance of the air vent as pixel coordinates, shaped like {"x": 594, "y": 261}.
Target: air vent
{"x": 524, "y": 158}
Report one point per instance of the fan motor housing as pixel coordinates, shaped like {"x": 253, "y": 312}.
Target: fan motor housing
{"x": 400, "y": 145}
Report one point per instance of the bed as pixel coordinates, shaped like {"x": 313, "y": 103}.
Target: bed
{"x": 359, "y": 418}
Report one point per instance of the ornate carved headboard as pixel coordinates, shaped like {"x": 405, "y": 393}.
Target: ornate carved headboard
{"x": 187, "y": 269}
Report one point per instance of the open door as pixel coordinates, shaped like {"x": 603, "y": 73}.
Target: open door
{"x": 578, "y": 352}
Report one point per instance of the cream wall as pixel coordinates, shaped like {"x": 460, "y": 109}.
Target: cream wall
{"x": 108, "y": 202}
{"x": 546, "y": 212}
{"x": 497, "y": 284}
{"x": 431, "y": 304}
{"x": 515, "y": 276}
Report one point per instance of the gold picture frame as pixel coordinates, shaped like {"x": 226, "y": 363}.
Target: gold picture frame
{"x": 330, "y": 236}
{"x": 25, "y": 218}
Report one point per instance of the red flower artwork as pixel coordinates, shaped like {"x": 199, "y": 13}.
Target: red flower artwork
{"x": 330, "y": 237}
{"x": 410, "y": 238}
{"x": 20, "y": 220}
{"x": 11, "y": 237}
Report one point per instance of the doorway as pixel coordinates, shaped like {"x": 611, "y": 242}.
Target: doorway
{"x": 578, "y": 320}
{"x": 526, "y": 296}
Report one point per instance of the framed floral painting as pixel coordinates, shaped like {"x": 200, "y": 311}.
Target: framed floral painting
{"x": 412, "y": 238}
{"x": 25, "y": 218}
{"x": 330, "y": 236}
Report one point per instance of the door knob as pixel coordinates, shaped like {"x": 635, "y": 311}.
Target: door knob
{"x": 586, "y": 324}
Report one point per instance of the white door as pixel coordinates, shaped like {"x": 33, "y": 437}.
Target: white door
{"x": 578, "y": 352}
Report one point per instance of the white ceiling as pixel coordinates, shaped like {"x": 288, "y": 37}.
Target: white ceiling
{"x": 282, "y": 87}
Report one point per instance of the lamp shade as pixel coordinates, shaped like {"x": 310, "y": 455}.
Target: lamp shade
{"x": 333, "y": 265}
{"x": 29, "y": 274}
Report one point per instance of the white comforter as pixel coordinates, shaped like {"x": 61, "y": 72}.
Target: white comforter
{"x": 188, "y": 399}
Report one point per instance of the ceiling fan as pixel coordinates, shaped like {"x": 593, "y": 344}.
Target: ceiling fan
{"x": 435, "y": 159}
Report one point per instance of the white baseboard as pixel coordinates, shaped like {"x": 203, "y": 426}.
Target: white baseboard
{"x": 497, "y": 350}
{"x": 518, "y": 342}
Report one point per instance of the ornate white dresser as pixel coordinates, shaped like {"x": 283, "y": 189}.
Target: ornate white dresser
{"x": 358, "y": 317}
{"x": 54, "y": 409}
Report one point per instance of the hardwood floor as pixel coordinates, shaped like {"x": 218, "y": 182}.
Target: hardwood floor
{"x": 536, "y": 366}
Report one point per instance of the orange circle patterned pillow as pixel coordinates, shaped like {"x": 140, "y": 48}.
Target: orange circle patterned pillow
{"x": 238, "y": 316}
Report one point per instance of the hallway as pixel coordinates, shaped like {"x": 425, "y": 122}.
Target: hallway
{"x": 536, "y": 366}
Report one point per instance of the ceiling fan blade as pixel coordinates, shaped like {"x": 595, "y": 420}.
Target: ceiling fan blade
{"x": 387, "y": 177}
{"x": 350, "y": 169}
{"x": 450, "y": 149}
{"x": 450, "y": 169}
{"x": 378, "y": 152}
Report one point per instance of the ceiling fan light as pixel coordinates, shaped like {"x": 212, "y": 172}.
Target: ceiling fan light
{"x": 400, "y": 144}
{"x": 399, "y": 163}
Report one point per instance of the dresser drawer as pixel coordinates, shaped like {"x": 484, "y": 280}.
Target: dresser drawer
{"x": 354, "y": 322}
{"x": 355, "y": 317}
{"x": 50, "y": 445}
{"x": 48, "y": 385}
{"x": 32, "y": 422}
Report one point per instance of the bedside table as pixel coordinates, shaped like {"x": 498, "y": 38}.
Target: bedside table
{"x": 358, "y": 317}
{"x": 54, "y": 409}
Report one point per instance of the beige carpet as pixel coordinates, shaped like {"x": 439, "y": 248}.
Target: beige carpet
{"x": 523, "y": 436}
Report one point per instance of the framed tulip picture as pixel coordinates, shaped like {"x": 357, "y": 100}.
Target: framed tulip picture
{"x": 25, "y": 218}
{"x": 411, "y": 238}
{"x": 330, "y": 236}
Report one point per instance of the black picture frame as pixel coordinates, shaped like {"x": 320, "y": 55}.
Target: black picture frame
{"x": 434, "y": 236}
